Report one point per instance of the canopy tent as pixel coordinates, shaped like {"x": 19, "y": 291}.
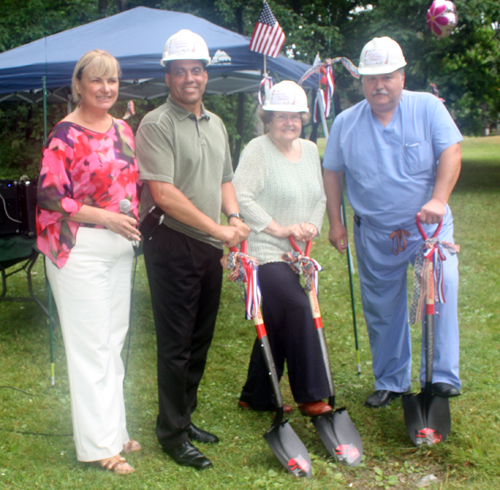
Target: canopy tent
{"x": 136, "y": 38}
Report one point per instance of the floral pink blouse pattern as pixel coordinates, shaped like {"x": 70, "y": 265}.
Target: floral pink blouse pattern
{"x": 80, "y": 166}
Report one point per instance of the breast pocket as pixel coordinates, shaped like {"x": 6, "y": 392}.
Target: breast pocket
{"x": 418, "y": 157}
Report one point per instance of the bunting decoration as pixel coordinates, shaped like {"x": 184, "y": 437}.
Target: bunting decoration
{"x": 302, "y": 263}
{"x": 233, "y": 262}
{"x": 326, "y": 95}
{"x": 268, "y": 36}
{"x": 420, "y": 282}
{"x": 348, "y": 64}
{"x": 267, "y": 83}
{"x": 326, "y": 83}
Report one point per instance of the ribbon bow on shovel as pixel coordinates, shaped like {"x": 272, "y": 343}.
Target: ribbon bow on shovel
{"x": 336, "y": 429}
{"x": 427, "y": 416}
{"x": 282, "y": 439}
{"x": 432, "y": 250}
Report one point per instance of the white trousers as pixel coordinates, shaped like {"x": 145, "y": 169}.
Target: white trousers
{"x": 92, "y": 294}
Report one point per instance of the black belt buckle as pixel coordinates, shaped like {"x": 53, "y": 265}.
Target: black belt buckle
{"x": 357, "y": 220}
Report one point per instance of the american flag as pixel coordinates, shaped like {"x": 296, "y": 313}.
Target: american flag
{"x": 268, "y": 37}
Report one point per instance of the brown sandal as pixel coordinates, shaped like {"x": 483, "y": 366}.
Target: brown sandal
{"x": 131, "y": 447}
{"x": 116, "y": 464}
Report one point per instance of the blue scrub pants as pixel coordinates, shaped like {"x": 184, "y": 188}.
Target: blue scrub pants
{"x": 384, "y": 295}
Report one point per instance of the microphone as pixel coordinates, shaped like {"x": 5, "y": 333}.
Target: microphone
{"x": 125, "y": 208}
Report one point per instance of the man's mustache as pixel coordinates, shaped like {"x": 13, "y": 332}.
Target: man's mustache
{"x": 380, "y": 92}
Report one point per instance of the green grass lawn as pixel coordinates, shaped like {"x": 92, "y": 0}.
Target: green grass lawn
{"x": 469, "y": 459}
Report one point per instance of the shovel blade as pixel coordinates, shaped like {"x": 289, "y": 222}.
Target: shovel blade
{"x": 340, "y": 436}
{"x": 427, "y": 418}
{"x": 289, "y": 449}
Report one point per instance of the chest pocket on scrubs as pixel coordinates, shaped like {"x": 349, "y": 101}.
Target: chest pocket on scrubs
{"x": 418, "y": 157}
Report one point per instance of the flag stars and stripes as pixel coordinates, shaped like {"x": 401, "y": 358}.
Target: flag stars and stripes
{"x": 268, "y": 36}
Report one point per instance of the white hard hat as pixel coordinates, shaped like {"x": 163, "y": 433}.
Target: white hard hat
{"x": 381, "y": 55}
{"x": 185, "y": 45}
{"x": 286, "y": 96}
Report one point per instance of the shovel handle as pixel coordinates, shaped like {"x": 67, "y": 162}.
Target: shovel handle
{"x": 318, "y": 322}
{"x": 421, "y": 230}
{"x": 260, "y": 328}
{"x": 429, "y": 307}
{"x": 294, "y": 245}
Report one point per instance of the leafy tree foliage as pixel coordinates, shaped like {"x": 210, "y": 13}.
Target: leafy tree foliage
{"x": 465, "y": 66}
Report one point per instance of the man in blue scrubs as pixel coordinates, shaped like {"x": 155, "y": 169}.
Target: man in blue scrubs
{"x": 400, "y": 154}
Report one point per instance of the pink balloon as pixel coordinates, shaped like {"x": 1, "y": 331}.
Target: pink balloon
{"x": 442, "y": 17}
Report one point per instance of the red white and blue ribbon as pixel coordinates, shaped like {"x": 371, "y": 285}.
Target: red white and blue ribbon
{"x": 243, "y": 268}
{"x": 348, "y": 64}
{"x": 420, "y": 282}
{"x": 253, "y": 296}
{"x": 267, "y": 83}
{"x": 302, "y": 264}
{"x": 324, "y": 97}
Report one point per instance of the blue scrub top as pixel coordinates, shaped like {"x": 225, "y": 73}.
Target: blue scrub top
{"x": 390, "y": 172}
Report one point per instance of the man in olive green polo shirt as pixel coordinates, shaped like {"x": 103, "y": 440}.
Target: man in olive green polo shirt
{"x": 183, "y": 155}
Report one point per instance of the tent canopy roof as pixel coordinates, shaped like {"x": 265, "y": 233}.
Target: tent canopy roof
{"x": 136, "y": 38}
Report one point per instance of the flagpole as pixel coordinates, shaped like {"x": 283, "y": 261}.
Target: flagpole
{"x": 265, "y": 65}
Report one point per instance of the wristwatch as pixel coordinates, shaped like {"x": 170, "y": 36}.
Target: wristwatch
{"x": 235, "y": 215}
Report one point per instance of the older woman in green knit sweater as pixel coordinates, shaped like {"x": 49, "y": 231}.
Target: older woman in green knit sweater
{"x": 279, "y": 187}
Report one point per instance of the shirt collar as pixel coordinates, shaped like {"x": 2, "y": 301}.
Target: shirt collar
{"x": 182, "y": 113}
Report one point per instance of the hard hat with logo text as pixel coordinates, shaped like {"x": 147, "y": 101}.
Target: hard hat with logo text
{"x": 381, "y": 55}
{"x": 185, "y": 45}
{"x": 286, "y": 96}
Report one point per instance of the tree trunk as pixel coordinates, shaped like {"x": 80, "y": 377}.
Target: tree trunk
{"x": 103, "y": 6}
{"x": 239, "y": 129}
{"x": 121, "y": 5}
{"x": 241, "y": 101}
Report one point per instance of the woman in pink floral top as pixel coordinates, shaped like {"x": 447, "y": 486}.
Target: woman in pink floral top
{"x": 81, "y": 166}
{"x": 88, "y": 167}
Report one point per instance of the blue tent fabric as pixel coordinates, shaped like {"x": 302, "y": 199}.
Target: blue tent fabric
{"x": 136, "y": 38}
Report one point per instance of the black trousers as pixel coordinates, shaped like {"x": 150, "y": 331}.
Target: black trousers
{"x": 292, "y": 335}
{"x": 185, "y": 279}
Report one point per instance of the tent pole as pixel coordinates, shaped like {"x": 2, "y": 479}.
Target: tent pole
{"x": 51, "y": 317}
{"x": 44, "y": 84}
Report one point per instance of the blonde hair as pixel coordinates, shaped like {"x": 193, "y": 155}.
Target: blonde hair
{"x": 100, "y": 62}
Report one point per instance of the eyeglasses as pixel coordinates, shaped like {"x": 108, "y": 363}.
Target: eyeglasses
{"x": 182, "y": 72}
{"x": 288, "y": 117}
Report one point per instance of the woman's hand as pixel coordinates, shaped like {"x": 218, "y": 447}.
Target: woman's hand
{"x": 123, "y": 225}
{"x": 116, "y": 222}
{"x": 295, "y": 231}
{"x": 309, "y": 230}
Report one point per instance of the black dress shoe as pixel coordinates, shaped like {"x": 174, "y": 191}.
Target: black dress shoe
{"x": 445, "y": 390}
{"x": 381, "y": 398}
{"x": 187, "y": 455}
{"x": 200, "y": 435}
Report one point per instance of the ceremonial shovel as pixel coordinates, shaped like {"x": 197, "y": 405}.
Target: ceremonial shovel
{"x": 336, "y": 429}
{"x": 427, "y": 416}
{"x": 283, "y": 441}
